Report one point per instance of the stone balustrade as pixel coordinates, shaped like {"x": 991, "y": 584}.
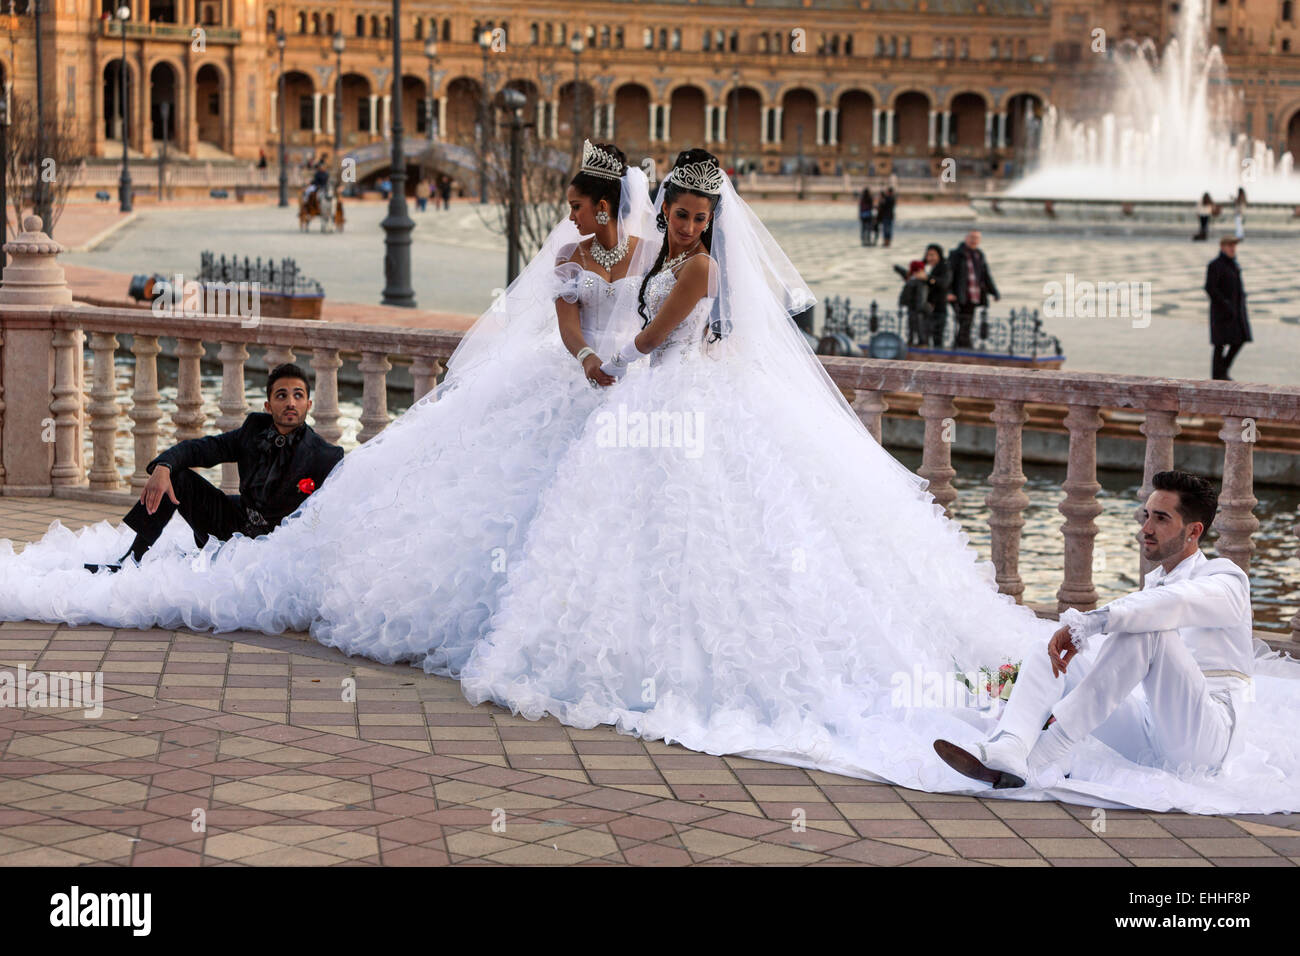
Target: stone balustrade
{"x": 42, "y": 412}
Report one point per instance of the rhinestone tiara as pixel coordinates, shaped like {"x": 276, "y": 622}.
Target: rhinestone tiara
{"x": 597, "y": 162}
{"x": 704, "y": 176}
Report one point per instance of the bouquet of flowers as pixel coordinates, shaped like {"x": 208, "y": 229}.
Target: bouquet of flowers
{"x": 997, "y": 684}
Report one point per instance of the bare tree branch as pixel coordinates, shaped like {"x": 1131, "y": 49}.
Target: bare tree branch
{"x": 59, "y": 167}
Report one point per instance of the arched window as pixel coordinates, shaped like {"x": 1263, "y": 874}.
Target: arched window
{"x": 302, "y": 21}
{"x": 329, "y": 23}
{"x": 388, "y": 26}
{"x": 677, "y": 38}
{"x": 993, "y": 49}
{"x": 618, "y": 37}
{"x": 663, "y": 39}
{"x": 270, "y": 21}
{"x": 965, "y": 48}
{"x": 708, "y": 41}
{"x": 361, "y": 25}
{"x": 1022, "y": 49}
{"x": 315, "y": 24}
{"x": 950, "y": 48}
{"x": 848, "y": 46}
{"x": 762, "y": 43}
{"x": 604, "y": 36}
{"x": 534, "y": 34}
{"x": 648, "y": 37}
{"x": 907, "y": 46}
{"x": 550, "y": 34}
{"x": 374, "y": 26}
{"x": 880, "y": 46}
{"x": 419, "y": 28}
{"x": 735, "y": 41}
{"x": 446, "y": 30}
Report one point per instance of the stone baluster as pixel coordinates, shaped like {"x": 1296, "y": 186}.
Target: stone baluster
{"x": 144, "y": 410}
{"x": 233, "y": 405}
{"x": 1161, "y": 428}
{"x": 277, "y": 355}
{"x": 1237, "y": 523}
{"x": 374, "y": 394}
{"x": 870, "y": 405}
{"x": 325, "y": 403}
{"x": 1007, "y": 500}
{"x": 103, "y": 413}
{"x": 940, "y": 416}
{"x": 188, "y": 417}
{"x": 1080, "y": 508}
{"x": 425, "y": 370}
{"x": 66, "y": 408}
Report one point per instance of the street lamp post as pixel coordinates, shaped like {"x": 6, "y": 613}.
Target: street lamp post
{"x": 485, "y": 42}
{"x": 576, "y": 46}
{"x": 281, "y": 41}
{"x": 798, "y": 170}
{"x": 42, "y": 198}
{"x": 430, "y": 54}
{"x": 397, "y": 225}
{"x": 338, "y": 45}
{"x": 735, "y": 126}
{"x": 514, "y": 101}
{"x": 124, "y": 182}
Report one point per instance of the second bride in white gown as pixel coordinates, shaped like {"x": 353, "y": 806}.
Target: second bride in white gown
{"x": 727, "y": 559}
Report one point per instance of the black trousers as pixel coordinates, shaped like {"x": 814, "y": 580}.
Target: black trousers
{"x": 965, "y": 318}
{"x": 205, "y": 508}
{"x": 935, "y": 323}
{"x": 1223, "y": 356}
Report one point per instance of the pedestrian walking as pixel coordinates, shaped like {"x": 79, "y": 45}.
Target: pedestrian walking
{"x": 972, "y": 284}
{"x": 885, "y": 215}
{"x": 1204, "y": 209}
{"x": 866, "y": 217}
{"x": 1229, "y": 325}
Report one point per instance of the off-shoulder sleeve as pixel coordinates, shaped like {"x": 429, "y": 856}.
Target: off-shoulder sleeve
{"x": 567, "y": 275}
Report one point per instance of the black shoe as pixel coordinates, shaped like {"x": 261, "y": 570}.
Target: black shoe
{"x": 111, "y": 568}
{"x": 968, "y": 765}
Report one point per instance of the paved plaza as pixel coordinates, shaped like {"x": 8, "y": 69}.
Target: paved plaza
{"x": 238, "y": 749}
{"x": 457, "y": 261}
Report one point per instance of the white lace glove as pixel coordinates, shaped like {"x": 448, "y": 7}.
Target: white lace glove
{"x": 617, "y": 366}
{"x": 1083, "y": 625}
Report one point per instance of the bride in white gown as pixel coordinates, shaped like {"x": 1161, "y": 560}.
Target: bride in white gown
{"x": 727, "y": 559}
{"x": 400, "y": 553}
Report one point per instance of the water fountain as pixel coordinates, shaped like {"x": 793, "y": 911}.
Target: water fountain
{"x": 1165, "y": 138}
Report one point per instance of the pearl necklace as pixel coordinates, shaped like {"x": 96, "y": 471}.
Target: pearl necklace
{"x": 677, "y": 260}
{"x": 608, "y": 258}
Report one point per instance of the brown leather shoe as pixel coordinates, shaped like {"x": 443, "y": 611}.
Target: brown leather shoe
{"x": 968, "y": 765}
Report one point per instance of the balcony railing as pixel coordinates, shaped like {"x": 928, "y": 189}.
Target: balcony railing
{"x": 47, "y": 394}
{"x": 110, "y": 27}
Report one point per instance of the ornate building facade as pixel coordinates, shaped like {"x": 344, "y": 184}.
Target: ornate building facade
{"x": 844, "y": 85}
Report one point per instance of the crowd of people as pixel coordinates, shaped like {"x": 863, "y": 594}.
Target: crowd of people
{"x": 960, "y": 279}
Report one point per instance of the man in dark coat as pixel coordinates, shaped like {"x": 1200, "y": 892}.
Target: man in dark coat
{"x": 972, "y": 284}
{"x": 281, "y": 461}
{"x": 1229, "y": 326}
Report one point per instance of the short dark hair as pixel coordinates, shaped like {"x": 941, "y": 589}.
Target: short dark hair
{"x": 1197, "y": 499}
{"x": 287, "y": 370}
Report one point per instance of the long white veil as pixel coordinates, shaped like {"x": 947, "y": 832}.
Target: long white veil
{"x": 757, "y": 292}
{"x": 522, "y": 316}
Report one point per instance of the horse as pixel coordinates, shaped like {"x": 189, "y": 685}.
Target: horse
{"x": 323, "y": 203}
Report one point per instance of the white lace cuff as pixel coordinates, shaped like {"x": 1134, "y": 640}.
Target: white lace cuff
{"x": 1083, "y": 625}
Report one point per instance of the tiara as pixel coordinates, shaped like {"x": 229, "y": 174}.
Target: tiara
{"x": 597, "y": 162}
{"x": 704, "y": 176}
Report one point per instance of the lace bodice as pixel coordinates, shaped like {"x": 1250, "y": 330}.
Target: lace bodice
{"x": 598, "y": 302}
{"x": 684, "y": 340}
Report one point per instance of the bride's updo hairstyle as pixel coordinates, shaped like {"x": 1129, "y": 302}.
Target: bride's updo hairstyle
{"x": 596, "y": 187}
{"x": 671, "y": 193}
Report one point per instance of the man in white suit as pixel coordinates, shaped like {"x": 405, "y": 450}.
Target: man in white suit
{"x": 1186, "y": 638}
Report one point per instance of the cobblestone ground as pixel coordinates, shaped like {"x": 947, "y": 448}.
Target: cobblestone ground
{"x": 457, "y": 261}
{"x": 252, "y": 731}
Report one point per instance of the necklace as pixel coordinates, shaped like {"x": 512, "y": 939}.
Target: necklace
{"x": 677, "y": 260}
{"x": 608, "y": 258}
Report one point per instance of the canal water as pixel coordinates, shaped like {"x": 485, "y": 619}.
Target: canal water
{"x": 1275, "y": 568}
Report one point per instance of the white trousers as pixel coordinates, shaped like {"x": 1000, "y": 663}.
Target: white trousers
{"x": 1180, "y": 724}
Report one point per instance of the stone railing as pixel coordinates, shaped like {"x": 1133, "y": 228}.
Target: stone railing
{"x": 43, "y": 411}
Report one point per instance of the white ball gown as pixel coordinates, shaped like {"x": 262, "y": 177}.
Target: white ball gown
{"x": 399, "y": 555}
{"x": 725, "y": 561}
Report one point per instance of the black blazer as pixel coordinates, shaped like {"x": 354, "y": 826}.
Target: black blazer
{"x": 1228, "y": 322}
{"x": 958, "y": 283}
{"x": 312, "y": 457}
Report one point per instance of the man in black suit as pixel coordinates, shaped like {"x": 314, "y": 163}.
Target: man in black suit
{"x": 972, "y": 284}
{"x": 1229, "y": 326}
{"x": 281, "y": 461}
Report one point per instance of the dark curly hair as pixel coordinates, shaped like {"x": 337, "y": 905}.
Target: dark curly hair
{"x": 287, "y": 370}
{"x": 597, "y": 188}
{"x": 671, "y": 193}
{"x": 1197, "y": 499}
